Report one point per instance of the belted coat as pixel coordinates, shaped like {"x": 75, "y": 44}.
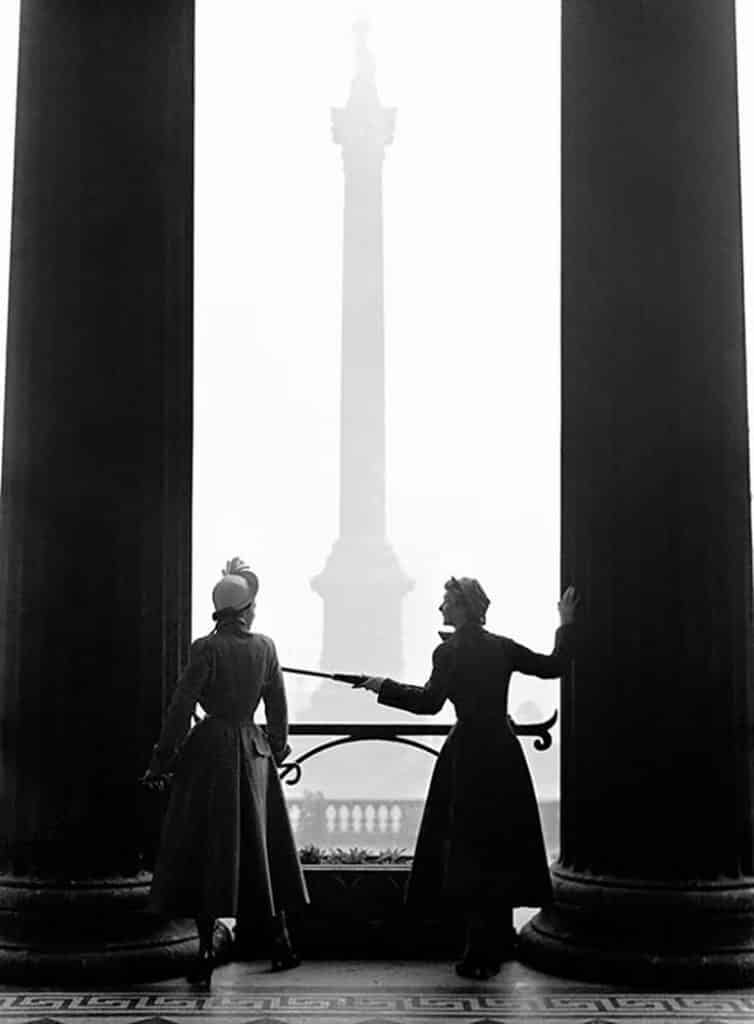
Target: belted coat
{"x": 480, "y": 842}
{"x": 227, "y": 848}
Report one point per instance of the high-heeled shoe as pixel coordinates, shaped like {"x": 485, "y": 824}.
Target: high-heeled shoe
{"x": 201, "y": 970}
{"x": 283, "y": 956}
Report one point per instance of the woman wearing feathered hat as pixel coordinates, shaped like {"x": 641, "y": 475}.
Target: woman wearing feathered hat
{"x": 227, "y": 848}
{"x": 480, "y": 844}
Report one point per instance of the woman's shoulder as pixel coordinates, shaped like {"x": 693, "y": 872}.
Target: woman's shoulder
{"x": 498, "y": 639}
{"x": 200, "y": 645}
{"x": 219, "y": 637}
{"x": 486, "y": 644}
{"x": 263, "y": 642}
{"x": 444, "y": 654}
{"x": 501, "y": 644}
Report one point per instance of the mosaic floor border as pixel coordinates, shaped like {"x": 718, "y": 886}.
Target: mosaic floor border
{"x": 319, "y": 1005}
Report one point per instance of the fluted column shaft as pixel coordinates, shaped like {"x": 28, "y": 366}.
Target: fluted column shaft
{"x": 96, "y": 489}
{"x": 656, "y": 865}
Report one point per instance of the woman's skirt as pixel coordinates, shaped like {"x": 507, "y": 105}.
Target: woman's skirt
{"x": 480, "y": 843}
{"x": 227, "y": 848}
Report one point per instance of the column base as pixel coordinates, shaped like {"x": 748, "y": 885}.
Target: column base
{"x": 694, "y": 935}
{"x": 88, "y": 931}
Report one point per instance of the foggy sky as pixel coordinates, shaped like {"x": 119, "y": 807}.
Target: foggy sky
{"x": 471, "y": 198}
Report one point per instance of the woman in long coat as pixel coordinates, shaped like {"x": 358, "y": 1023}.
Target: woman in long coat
{"x": 227, "y": 848}
{"x": 480, "y": 842}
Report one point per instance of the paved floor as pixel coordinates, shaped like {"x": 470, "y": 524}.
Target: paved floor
{"x": 371, "y": 993}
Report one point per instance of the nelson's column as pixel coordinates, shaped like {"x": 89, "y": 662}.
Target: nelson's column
{"x": 362, "y": 585}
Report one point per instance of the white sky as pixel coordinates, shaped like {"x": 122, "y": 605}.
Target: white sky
{"x": 471, "y": 252}
{"x": 472, "y": 300}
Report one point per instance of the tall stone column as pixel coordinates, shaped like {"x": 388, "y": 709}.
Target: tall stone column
{"x": 96, "y": 487}
{"x": 656, "y": 876}
{"x": 362, "y": 584}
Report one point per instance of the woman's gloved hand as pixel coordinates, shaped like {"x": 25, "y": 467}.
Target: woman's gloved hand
{"x": 373, "y": 683}
{"x": 155, "y": 781}
{"x": 279, "y": 756}
{"x": 568, "y": 605}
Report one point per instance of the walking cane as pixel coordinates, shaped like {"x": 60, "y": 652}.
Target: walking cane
{"x": 339, "y": 677}
{"x": 541, "y": 730}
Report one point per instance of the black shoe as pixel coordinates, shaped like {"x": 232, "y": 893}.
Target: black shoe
{"x": 477, "y": 970}
{"x": 284, "y": 957}
{"x": 201, "y": 970}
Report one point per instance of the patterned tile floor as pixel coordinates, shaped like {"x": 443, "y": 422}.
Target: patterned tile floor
{"x": 372, "y": 993}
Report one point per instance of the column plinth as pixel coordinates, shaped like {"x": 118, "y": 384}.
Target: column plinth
{"x": 95, "y": 546}
{"x": 645, "y": 933}
{"x": 655, "y": 881}
{"x": 88, "y": 928}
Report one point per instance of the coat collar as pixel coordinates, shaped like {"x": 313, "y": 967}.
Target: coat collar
{"x": 466, "y": 631}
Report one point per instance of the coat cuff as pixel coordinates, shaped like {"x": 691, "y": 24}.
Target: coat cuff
{"x": 390, "y": 694}
{"x": 564, "y": 633}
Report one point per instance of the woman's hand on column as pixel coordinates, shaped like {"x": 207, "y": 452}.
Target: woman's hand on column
{"x": 567, "y": 606}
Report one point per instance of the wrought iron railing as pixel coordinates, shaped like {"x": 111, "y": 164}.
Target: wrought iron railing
{"x": 343, "y": 733}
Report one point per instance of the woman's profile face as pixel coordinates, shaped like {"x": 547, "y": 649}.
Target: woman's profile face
{"x": 452, "y": 609}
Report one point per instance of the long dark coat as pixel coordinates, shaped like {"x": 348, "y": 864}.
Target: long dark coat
{"x": 227, "y": 848}
{"x": 480, "y": 842}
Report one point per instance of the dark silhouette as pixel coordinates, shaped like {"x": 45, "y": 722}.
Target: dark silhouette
{"x": 227, "y": 847}
{"x": 480, "y": 844}
{"x": 655, "y": 879}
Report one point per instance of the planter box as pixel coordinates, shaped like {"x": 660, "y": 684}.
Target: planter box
{"x": 357, "y": 910}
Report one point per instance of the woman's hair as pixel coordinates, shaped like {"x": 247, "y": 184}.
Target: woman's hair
{"x": 470, "y": 592}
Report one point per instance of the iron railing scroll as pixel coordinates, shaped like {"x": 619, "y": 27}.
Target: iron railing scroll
{"x": 343, "y": 733}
